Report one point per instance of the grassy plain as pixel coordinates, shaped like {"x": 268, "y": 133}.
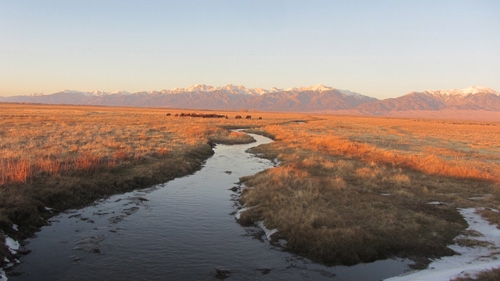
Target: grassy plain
{"x": 67, "y": 156}
{"x": 348, "y": 189}
{"x": 353, "y": 189}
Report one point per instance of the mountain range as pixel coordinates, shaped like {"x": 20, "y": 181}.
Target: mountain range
{"x": 317, "y": 98}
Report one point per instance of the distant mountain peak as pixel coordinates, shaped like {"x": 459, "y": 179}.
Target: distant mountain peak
{"x": 239, "y": 89}
{"x": 314, "y": 88}
{"x": 315, "y": 98}
{"x": 478, "y": 89}
{"x": 319, "y": 88}
{"x": 464, "y": 92}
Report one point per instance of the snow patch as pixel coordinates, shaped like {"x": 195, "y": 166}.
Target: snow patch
{"x": 268, "y": 232}
{"x": 476, "y": 90}
{"x": 12, "y": 245}
{"x": 350, "y": 93}
{"x": 483, "y": 197}
{"x": 233, "y": 89}
{"x": 260, "y": 224}
{"x": 238, "y": 213}
{"x": 471, "y": 259}
{"x": 3, "y": 277}
{"x": 464, "y": 92}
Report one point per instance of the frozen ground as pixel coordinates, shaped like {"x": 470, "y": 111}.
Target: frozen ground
{"x": 471, "y": 259}
{"x": 13, "y": 247}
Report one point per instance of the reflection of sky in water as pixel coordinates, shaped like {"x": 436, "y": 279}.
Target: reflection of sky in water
{"x": 180, "y": 230}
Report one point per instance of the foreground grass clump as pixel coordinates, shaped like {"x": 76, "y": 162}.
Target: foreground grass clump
{"x": 358, "y": 189}
{"x": 488, "y": 275}
{"x": 67, "y": 156}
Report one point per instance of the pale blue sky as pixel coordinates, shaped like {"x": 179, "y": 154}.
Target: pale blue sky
{"x": 377, "y": 48}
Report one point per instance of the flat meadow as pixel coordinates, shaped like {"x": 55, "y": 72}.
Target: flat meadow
{"x": 347, "y": 190}
{"x": 55, "y": 157}
{"x": 357, "y": 189}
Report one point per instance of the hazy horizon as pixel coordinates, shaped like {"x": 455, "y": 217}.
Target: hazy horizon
{"x": 379, "y": 49}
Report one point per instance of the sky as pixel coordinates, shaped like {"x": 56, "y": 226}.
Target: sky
{"x": 378, "y": 48}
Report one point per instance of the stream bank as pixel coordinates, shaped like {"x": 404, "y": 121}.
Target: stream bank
{"x": 182, "y": 229}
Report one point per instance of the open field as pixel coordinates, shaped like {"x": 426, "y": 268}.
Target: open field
{"x": 352, "y": 189}
{"x": 67, "y": 156}
{"x": 348, "y": 189}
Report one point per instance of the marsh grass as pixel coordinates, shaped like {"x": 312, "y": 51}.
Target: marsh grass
{"x": 67, "y": 156}
{"x": 487, "y": 275}
{"x": 352, "y": 189}
{"x": 348, "y": 189}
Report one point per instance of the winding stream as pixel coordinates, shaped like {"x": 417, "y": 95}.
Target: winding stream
{"x": 180, "y": 230}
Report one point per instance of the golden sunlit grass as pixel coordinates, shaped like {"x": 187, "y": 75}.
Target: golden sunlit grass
{"x": 487, "y": 275}
{"x": 348, "y": 189}
{"x": 48, "y": 141}
{"x": 67, "y": 156}
{"x": 353, "y": 189}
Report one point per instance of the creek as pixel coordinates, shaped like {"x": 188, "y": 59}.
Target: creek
{"x": 180, "y": 230}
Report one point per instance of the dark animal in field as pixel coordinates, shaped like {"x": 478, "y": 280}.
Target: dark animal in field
{"x": 168, "y": 114}
{"x": 249, "y": 117}
{"x": 260, "y": 118}
{"x": 177, "y": 115}
{"x": 202, "y": 115}
{"x": 238, "y": 117}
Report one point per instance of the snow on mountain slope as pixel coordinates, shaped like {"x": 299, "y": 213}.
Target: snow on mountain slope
{"x": 233, "y": 89}
{"x": 472, "y": 98}
{"x": 464, "y": 92}
{"x": 316, "y": 98}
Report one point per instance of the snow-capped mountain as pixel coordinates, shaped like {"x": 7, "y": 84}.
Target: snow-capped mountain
{"x": 464, "y": 92}
{"x": 234, "y": 89}
{"x": 229, "y": 97}
{"x": 472, "y": 98}
{"x": 316, "y": 98}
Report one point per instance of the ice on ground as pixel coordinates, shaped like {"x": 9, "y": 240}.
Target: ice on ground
{"x": 471, "y": 259}
{"x": 3, "y": 277}
{"x": 12, "y": 244}
{"x": 15, "y": 227}
{"x": 276, "y": 162}
{"x": 434, "y": 203}
{"x": 238, "y": 213}
{"x": 268, "y": 232}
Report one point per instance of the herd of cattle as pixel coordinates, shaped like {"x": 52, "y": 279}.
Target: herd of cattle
{"x": 211, "y": 115}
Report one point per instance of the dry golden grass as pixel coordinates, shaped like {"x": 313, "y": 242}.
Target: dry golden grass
{"x": 40, "y": 141}
{"x": 487, "y": 275}
{"x": 67, "y": 156}
{"x": 354, "y": 189}
{"x": 349, "y": 189}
